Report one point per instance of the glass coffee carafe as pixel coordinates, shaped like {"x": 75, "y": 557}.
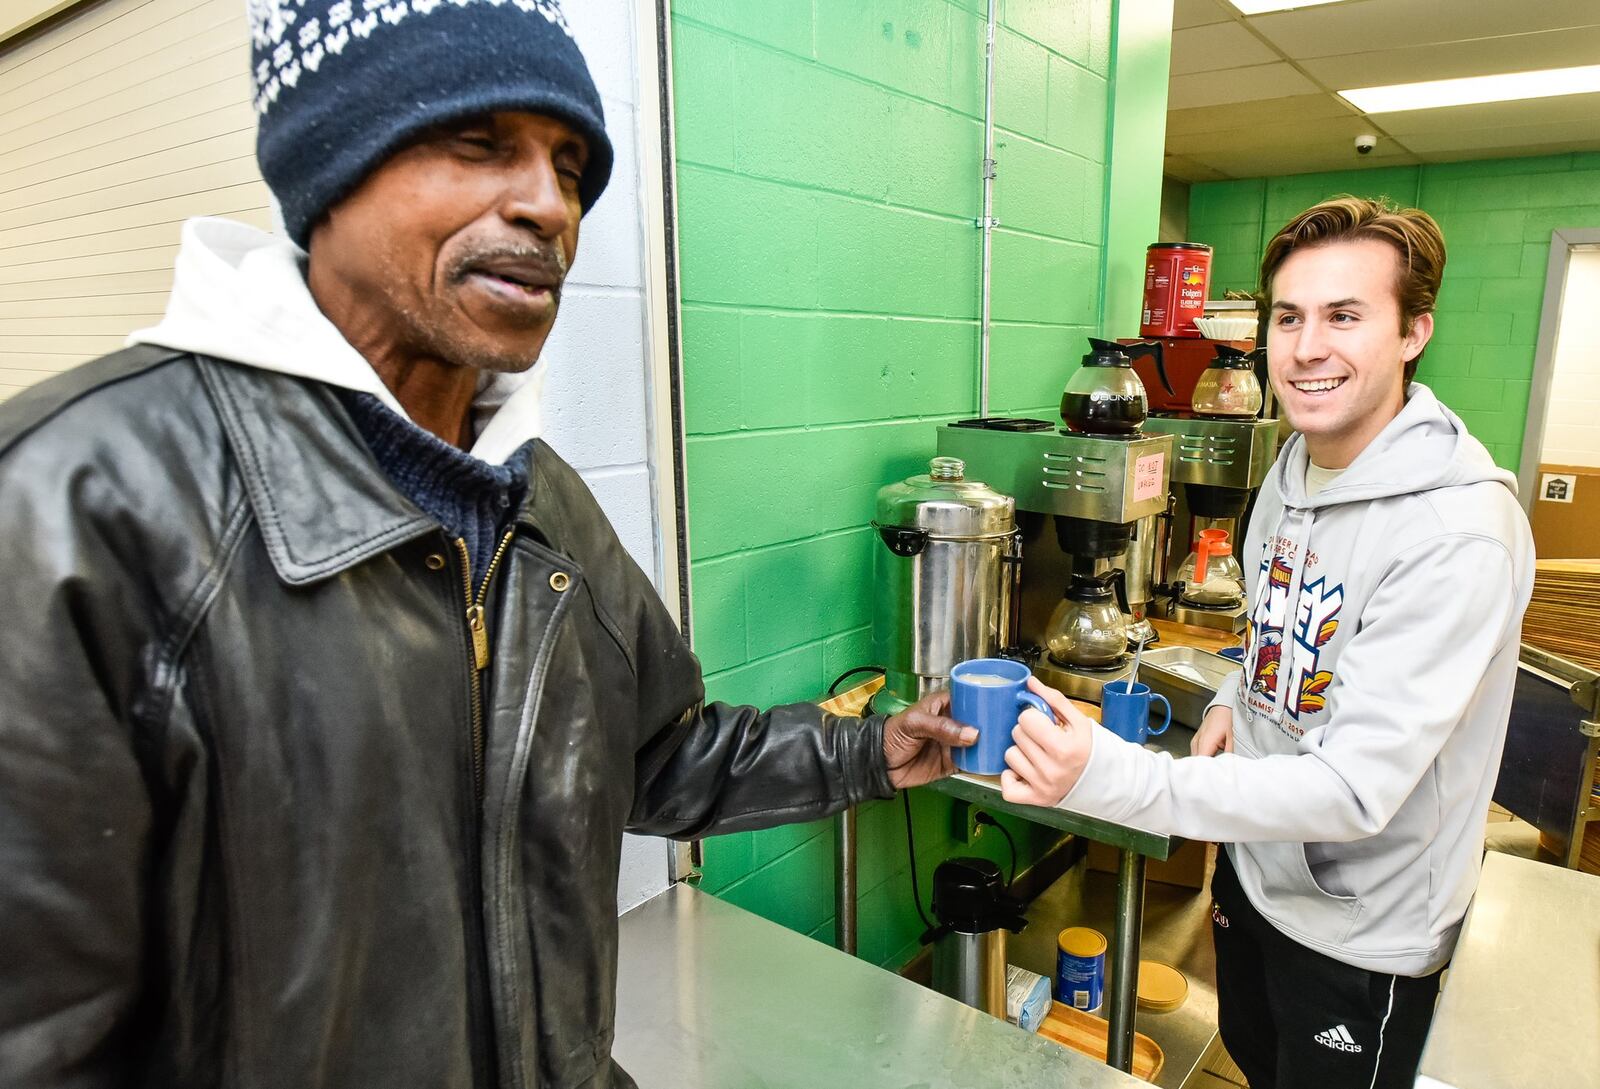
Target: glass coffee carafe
{"x": 1210, "y": 575}
{"x": 1088, "y": 630}
{"x": 1228, "y": 388}
{"x": 1105, "y": 396}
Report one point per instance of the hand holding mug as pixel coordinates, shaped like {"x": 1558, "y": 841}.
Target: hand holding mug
{"x": 990, "y": 693}
{"x": 1050, "y": 753}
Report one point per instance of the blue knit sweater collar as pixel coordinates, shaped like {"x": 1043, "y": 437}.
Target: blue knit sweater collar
{"x": 470, "y": 498}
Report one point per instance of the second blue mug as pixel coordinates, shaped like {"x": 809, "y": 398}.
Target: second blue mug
{"x": 1125, "y": 710}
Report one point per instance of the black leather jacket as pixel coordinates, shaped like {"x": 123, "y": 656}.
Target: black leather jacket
{"x": 262, "y": 822}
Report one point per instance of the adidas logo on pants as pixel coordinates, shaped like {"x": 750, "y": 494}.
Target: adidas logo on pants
{"x": 1338, "y": 1038}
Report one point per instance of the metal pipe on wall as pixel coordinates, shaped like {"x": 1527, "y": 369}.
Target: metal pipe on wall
{"x": 987, "y": 222}
{"x": 844, "y": 855}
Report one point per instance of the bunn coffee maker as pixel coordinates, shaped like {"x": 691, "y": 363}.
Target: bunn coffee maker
{"x": 1220, "y": 462}
{"x": 1087, "y": 497}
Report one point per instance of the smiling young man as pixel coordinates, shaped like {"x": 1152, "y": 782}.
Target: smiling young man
{"x": 328, "y": 690}
{"x": 1354, "y": 755}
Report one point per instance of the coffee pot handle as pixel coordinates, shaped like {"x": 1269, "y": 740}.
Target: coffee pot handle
{"x": 1152, "y": 349}
{"x": 1118, "y": 578}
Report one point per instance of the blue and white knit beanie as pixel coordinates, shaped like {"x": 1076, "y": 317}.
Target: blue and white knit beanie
{"x": 341, "y": 85}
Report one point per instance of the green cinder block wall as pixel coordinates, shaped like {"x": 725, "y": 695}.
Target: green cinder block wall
{"x": 828, "y": 159}
{"x": 1497, "y": 216}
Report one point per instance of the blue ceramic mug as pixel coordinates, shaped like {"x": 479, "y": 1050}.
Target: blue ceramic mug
{"x": 989, "y": 693}
{"x": 1125, "y": 710}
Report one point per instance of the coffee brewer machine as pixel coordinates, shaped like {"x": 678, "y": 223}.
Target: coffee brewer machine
{"x": 1087, "y": 497}
{"x": 1220, "y": 463}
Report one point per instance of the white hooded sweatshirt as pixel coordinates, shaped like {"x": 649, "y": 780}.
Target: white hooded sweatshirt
{"x": 1371, "y": 711}
{"x": 239, "y": 294}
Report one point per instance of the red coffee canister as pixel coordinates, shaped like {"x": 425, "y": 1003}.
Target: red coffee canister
{"x": 1176, "y": 277}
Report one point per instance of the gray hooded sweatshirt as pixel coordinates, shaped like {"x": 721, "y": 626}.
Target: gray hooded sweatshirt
{"x": 1371, "y": 710}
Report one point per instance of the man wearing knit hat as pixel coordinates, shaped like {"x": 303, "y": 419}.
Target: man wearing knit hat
{"x": 328, "y": 691}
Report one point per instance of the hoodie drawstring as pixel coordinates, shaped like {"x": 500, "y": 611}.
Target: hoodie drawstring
{"x": 1281, "y": 619}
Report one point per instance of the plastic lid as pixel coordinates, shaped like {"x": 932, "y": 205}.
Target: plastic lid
{"x": 969, "y": 896}
{"x": 1229, "y": 358}
{"x": 1161, "y": 986}
{"x": 1081, "y": 941}
{"x": 1180, "y": 246}
{"x": 1106, "y": 353}
{"x": 1089, "y": 590}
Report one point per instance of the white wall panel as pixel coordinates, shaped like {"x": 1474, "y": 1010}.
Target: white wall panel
{"x": 1572, "y": 436}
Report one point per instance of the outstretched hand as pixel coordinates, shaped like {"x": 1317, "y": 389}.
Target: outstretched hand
{"x": 1047, "y": 758}
{"x": 1215, "y": 733}
{"x": 917, "y": 741}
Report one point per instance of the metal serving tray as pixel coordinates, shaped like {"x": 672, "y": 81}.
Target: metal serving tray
{"x": 1188, "y": 677}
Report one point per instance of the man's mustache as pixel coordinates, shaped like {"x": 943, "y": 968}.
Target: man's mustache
{"x": 544, "y": 262}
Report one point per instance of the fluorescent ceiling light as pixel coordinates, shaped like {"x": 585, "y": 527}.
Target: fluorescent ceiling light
{"x": 1261, "y": 7}
{"x": 1504, "y": 87}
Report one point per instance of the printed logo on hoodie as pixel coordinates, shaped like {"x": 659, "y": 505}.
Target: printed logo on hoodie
{"x": 1271, "y": 662}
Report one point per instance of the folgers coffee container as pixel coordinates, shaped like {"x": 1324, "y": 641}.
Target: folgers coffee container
{"x": 1080, "y": 967}
{"x": 1176, "y": 278}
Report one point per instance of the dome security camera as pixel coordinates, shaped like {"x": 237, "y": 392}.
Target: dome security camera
{"x": 1365, "y": 143}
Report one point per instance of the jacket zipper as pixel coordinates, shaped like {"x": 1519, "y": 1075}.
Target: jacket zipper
{"x": 479, "y": 631}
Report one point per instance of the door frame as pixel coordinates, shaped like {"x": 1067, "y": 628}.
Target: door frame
{"x": 1562, "y": 243}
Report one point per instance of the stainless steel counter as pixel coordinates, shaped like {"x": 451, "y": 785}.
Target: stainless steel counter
{"x": 712, "y": 996}
{"x": 1521, "y": 1001}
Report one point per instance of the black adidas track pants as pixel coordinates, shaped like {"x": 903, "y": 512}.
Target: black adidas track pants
{"x": 1293, "y": 1018}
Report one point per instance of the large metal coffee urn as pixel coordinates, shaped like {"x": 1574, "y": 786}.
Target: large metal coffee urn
{"x": 944, "y": 563}
{"x": 972, "y": 912}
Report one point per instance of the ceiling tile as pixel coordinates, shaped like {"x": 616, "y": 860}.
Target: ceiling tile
{"x": 1558, "y": 147}
{"x": 1237, "y": 85}
{"x": 1188, "y": 13}
{"x": 1273, "y": 162}
{"x": 1569, "y": 134}
{"x": 1453, "y": 60}
{"x": 1331, "y": 134}
{"x": 1219, "y": 45}
{"x": 1345, "y": 28}
{"x": 1260, "y": 117}
{"x": 1264, "y": 111}
{"x": 1527, "y": 111}
{"x": 1187, "y": 170}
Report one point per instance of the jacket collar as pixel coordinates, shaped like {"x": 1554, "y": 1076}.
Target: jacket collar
{"x": 323, "y": 503}
{"x": 321, "y": 500}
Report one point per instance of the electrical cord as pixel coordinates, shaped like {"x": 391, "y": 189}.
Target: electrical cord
{"x": 981, "y": 817}
{"x": 911, "y": 853}
{"x": 847, "y": 674}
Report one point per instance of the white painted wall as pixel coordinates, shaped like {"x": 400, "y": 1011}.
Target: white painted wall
{"x": 597, "y": 410}
{"x": 1572, "y": 423}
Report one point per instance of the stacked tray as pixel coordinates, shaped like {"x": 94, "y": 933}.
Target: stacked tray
{"x": 1564, "y": 615}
